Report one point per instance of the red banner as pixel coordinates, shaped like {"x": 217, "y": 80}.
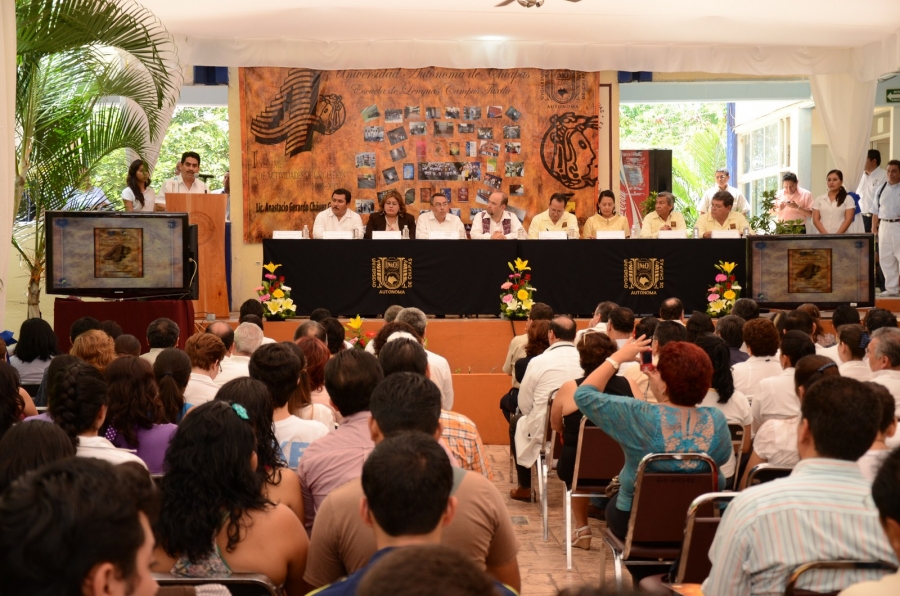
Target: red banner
{"x": 634, "y": 183}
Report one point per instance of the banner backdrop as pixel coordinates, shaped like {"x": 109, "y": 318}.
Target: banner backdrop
{"x": 465, "y": 133}
{"x": 634, "y": 186}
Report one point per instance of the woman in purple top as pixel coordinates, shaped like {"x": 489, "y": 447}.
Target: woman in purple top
{"x": 135, "y": 412}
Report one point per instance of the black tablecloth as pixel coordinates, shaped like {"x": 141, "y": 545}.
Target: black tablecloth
{"x": 464, "y": 277}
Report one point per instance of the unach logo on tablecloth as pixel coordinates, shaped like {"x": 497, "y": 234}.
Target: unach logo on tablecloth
{"x": 392, "y": 275}
{"x": 643, "y": 276}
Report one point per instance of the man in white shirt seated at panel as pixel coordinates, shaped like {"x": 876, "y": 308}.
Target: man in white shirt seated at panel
{"x": 186, "y": 182}
{"x": 664, "y": 218}
{"x": 495, "y": 222}
{"x": 555, "y": 219}
{"x": 339, "y": 217}
{"x": 823, "y": 511}
{"x": 721, "y": 217}
{"x": 722, "y": 178}
{"x": 439, "y": 219}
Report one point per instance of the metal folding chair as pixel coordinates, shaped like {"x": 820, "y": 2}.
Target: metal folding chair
{"x": 766, "y": 473}
{"x": 239, "y": 584}
{"x": 791, "y": 587}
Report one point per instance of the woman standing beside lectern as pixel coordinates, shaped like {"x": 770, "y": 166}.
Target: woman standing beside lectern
{"x": 138, "y": 195}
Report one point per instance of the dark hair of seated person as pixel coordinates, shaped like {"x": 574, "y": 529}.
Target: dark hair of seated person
{"x": 350, "y": 378}
{"x": 877, "y": 318}
{"x": 387, "y": 330}
{"x": 405, "y": 571}
{"x": 133, "y": 398}
{"x": 30, "y": 445}
{"x": 813, "y": 368}
{"x": 886, "y": 487}
{"x": 406, "y": 401}
{"x": 310, "y": 328}
{"x": 254, "y": 396}
{"x": 59, "y": 523}
{"x": 403, "y": 355}
{"x": 888, "y": 405}
{"x": 319, "y": 314}
{"x": 254, "y": 319}
{"x": 278, "y": 367}
{"x": 111, "y": 328}
{"x": 172, "y": 370}
{"x": 76, "y": 398}
{"x": 669, "y": 331}
{"x": 251, "y": 306}
{"x": 720, "y": 357}
{"x": 762, "y": 337}
{"x": 208, "y": 462}
{"x": 37, "y": 341}
{"x": 128, "y": 345}
{"x": 11, "y": 403}
{"x": 593, "y": 350}
{"x": 407, "y": 481}
{"x": 647, "y": 327}
{"x": 686, "y": 371}
{"x": 698, "y": 324}
{"x": 334, "y": 334}
{"x": 745, "y": 308}
{"x": 844, "y": 315}
{"x": 795, "y": 345}
{"x": 843, "y": 417}
{"x": 731, "y": 329}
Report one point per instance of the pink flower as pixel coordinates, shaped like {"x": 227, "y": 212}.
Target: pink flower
{"x": 269, "y": 276}
{"x": 721, "y": 277}
{"x": 508, "y": 298}
{"x": 712, "y": 297}
{"x": 264, "y": 297}
{"x": 506, "y": 286}
{"x": 511, "y": 276}
{"x": 257, "y": 289}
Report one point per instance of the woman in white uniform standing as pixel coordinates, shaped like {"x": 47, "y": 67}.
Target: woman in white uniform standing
{"x": 835, "y": 211}
{"x": 138, "y": 195}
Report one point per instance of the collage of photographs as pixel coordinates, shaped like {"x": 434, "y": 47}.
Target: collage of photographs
{"x": 461, "y": 145}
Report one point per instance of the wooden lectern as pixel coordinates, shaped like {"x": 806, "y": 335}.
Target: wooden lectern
{"x": 207, "y": 212}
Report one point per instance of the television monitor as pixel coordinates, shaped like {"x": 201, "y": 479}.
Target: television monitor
{"x": 118, "y": 254}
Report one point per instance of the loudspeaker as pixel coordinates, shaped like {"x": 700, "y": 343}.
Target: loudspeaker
{"x": 660, "y": 162}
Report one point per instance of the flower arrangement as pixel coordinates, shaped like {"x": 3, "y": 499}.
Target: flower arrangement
{"x": 518, "y": 293}
{"x": 725, "y": 291}
{"x": 274, "y": 295}
{"x": 358, "y": 339}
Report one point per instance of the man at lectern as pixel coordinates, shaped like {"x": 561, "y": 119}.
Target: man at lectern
{"x": 186, "y": 181}
{"x": 338, "y": 217}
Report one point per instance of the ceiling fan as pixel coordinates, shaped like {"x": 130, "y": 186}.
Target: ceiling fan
{"x": 527, "y": 3}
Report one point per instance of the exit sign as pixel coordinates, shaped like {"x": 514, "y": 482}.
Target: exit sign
{"x": 893, "y": 96}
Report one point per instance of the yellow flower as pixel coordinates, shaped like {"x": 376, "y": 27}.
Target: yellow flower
{"x": 274, "y": 306}
{"x": 271, "y": 267}
{"x": 355, "y": 323}
{"x": 729, "y": 295}
{"x": 522, "y": 265}
{"x": 729, "y": 267}
{"x": 527, "y": 303}
{"x": 522, "y": 294}
{"x": 716, "y": 305}
{"x": 278, "y": 294}
{"x": 287, "y": 304}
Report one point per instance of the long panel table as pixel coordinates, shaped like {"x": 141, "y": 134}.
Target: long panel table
{"x": 444, "y": 277}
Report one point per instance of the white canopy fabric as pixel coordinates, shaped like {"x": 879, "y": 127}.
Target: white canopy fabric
{"x": 765, "y": 37}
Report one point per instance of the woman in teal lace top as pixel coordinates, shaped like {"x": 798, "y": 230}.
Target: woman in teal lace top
{"x": 673, "y": 425}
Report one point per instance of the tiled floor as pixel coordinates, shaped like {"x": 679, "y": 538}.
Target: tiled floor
{"x": 543, "y": 564}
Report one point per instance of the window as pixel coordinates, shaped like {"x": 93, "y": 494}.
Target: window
{"x": 764, "y": 157}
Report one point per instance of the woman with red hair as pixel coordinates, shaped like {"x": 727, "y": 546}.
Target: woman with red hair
{"x": 674, "y": 425}
{"x": 317, "y": 356}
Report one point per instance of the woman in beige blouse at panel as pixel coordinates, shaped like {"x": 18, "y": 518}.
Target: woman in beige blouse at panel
{"x": 606, "y": 219}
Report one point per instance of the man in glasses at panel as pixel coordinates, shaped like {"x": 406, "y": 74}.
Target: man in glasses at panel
{"x": 722, "y": 177}
{"x": 439, "y": 219}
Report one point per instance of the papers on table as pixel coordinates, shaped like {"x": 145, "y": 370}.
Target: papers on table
{"x": 387, "y": 235}
{"x": 673, "y": 234}
{"x": 442, "y": 235}
{"x": 725, "y": 234}
{"x": 337, "y": 235}
{"x": 287, "y": 235}
{"x": 553, "y": 235}
{"x": 610, "y": 235}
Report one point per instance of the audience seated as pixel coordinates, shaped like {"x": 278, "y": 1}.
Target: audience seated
{"x": 407, "y": 483}
{"x": 387, "y": 331}
{"x": 648, "y": 327}
{"x": 206, "y": 352}
{"x": 214, "y": 517}
{"x": 516, "y": 351}
{"x": 94, "y": 347}
{"x": 51, "y": 377}
{"x": 225, "y": 332}
{"x": 317, "y": 357}
{"x": 876, "y": 318}
{"x": 776, "y": 396}
{"x": 458, "y": 432}
{"x": 722, "y": 394}
{"x": 35, "y": 349}
{"x": 390, "y": 315}
{"x": 884, "y": 360}
{"x": 666, "y": 332}
{"x": 761, "y": 339}
{"x": 337, "y": 458}
{"x": 172, "y": 370}
{"x": 161, "y": 334}
{"x": 246, "y": 339}
{"x": 537, "y": 343}
{"x": 300, "y": 402}
{"x": 599, "y": 321}
{"x": 851, "y": 351}
{"x": 258, "y": 321}
{"x": 335, "y": 335}
{"x": 825, "y": 340}
{"x": 565, "y": 418}
{"x": 698, "y": 324}
{"x": 731, "y": 329}
{"x": 27, "y": 447}
{"x": 134, "y": 420}
{"x": 15, "y": 403}
{"x": 78, "y": 404}
{"x": 443, "y": 570}
{"x": 675, "y": 424}
{"x": 278, "y": 484}
{"x": 278, "y": 368}
{"x": 745, "y": 308}
{"x": 884, "y": 492}
{"x": 127, "y": 345}
{"x": 545, "y": 374}
{"x": 440, "y": 368}
{"x": 78, "y": 526}
{"x": 821, "y": 512}
{"x": 672, "y": 309}
{"x": 341, "y": 544}
{"x": 319, "y": 314}
{"x": 311, "y": 329}
{"x": 111, "y": 328}
{"x": 776, "y": 440}
{"x": 873, "y": 458}
{"x": 844, "y": 315}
